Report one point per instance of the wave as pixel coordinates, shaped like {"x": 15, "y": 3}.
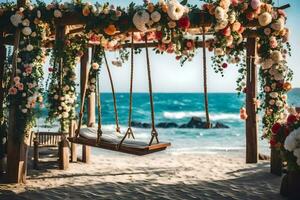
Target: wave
{"x": 214, "y": 116}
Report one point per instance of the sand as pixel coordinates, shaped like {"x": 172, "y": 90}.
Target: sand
{"x": 156, "y": 176}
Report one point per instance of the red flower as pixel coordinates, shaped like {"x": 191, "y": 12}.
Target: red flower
{"x": 50, "y": 69}
{"x": 224, "y": 65}
{"x": 291, "y": 119}
{"x": 276, "y": 127}
{"x": 245, "y": 90}
{"x": 178, "y": 57}
{"x": 226, "y": 31}
{"x": 184, "y": 22}
{"x": 273, "y": 142}
{"x": 158, "y": 35}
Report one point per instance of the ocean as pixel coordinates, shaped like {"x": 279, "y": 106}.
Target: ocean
{"x": 179, "y": 108}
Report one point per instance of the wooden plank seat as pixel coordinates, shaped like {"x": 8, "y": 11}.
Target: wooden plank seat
{"x": 44, "y": 140}
{"x": 110, "y": 141}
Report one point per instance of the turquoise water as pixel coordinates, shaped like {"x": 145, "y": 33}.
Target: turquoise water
{"x": 179, "y": 108}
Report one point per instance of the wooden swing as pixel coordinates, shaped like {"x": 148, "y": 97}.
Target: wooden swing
{"x": 110, "y": 141}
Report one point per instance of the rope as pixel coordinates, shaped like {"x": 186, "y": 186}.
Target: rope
{"x": 208, "y": 125}
{"x": 113, "y": 93}
{"x": 97, "y": 96}
{"x": 154, "y": 134}
{"x": 129, "y": 131}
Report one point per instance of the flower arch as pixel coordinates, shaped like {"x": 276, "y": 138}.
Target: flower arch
{"x": 172, "y": 26}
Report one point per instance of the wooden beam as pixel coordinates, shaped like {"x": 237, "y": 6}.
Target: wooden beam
{"x": 251, "y": 86}
{"x": 73, "y": 127}
{"x": 86, "y": 150}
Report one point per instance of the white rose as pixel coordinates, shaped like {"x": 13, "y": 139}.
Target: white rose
{"x": 16, "y": 19}
{"x": 274, "y": 95}
{"x": 278, "y": 25}
{"x": 155, "y": 16}
{"x": 55, "y": 97}
{"x": 38, "y": 14}
{"x": 221, "y": 25}
{"x": 276, "y": 56}
{"x": 57, "y": 14}
{"x": 24, "y": 110}
{"x": 140, "y": 19}
{"x": 26, "y": 31}
{"x": 272, "y": 102}
{"x": 265, "y": 19}
{"x": 219, "y": 52}
{"x": 290, "y": 143}
{"x": 25, "y": 22}
{"x": 297, "y": 153}
{"x": 175, "y": 10}
{"x": 220, "y": 13}
{"x": 279, "y": 103}
{"x": 232, "y": 18}
{"x": 29, "y": 47}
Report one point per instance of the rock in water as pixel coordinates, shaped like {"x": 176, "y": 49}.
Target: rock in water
{"x": 196, "y": 122}
{"x": 167, "y": 125}
{"x": 220, "y": 125}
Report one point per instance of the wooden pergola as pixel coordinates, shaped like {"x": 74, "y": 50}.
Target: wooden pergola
{"x": 17, "y": 151}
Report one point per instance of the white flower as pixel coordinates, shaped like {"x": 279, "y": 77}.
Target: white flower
{"x": 29, "y": 47}
{"x": 16, "y": 19}
{"x": 25, "y": 22}
{"x": 219, "y": 52}
{"x": 221, "y": 25}
{"x": 55, "y": 97}
{"x": 276, "y": 56}
{"x": 272, "y": 102}
{"x": 26, "y": 31}
{"x": 297, "y": 153}
{"x": 140, "y": 19}
{"x": 33, "y": 34}
{"x": 24, "y": 110}
{"x": 155, "y": 16}
{"x": 298, "y": 161}
{"x": 274, "y": 95}
{"x": 278, "y": 76}
{"x": 265, "y": 19}
{"x": 267, "y": 64}
{"x": 57, "y": 13}
{"x": 19, "y": 60}
{"x": 93, "y": 80}
{"x": 279, "y": 103}
{"x": 38, "y": 14}
{"x": 292, "y": 110}
{"x": 290, "y": 143}
{"x": 278, "y": 25}
{"x": 232, "y": 18}
{"x": 175, "y": 10}
{"x": 220, "y": 13}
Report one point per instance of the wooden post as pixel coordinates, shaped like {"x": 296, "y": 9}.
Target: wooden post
{"x": 16, "y": 150}
{"x": 86, "y": 150}
{"x": 2, "y": 61}
{"x": 73, "y": 145}
{"x": 251, "y": 122}
{"x": 63, "y": 144}
{"x": 276, "y": 162}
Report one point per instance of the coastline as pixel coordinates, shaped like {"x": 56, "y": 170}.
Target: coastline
{"x": 156, "y": 176}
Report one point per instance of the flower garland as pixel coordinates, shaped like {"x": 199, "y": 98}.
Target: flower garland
{"x": 62, "y": 87}
{"x": 26, "y": 89}
{"x": 167, "y": 23}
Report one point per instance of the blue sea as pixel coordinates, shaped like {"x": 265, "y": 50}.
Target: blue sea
{"x": 179, "y": 108}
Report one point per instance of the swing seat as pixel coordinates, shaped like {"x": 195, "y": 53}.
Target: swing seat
{"x": 110, "y": 140}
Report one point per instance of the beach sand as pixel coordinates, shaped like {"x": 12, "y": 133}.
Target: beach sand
{"x": 156, "y": 176}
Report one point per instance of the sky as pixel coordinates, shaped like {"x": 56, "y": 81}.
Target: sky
{"x": 169, "y": 76}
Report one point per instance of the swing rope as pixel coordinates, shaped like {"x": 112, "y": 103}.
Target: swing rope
{"x": 113, "y": 93}
{"x": 154, "y": 134}
{"x": 129, "y": 131}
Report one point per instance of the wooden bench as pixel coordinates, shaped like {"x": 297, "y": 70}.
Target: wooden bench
{"x": 44, "y": 140}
